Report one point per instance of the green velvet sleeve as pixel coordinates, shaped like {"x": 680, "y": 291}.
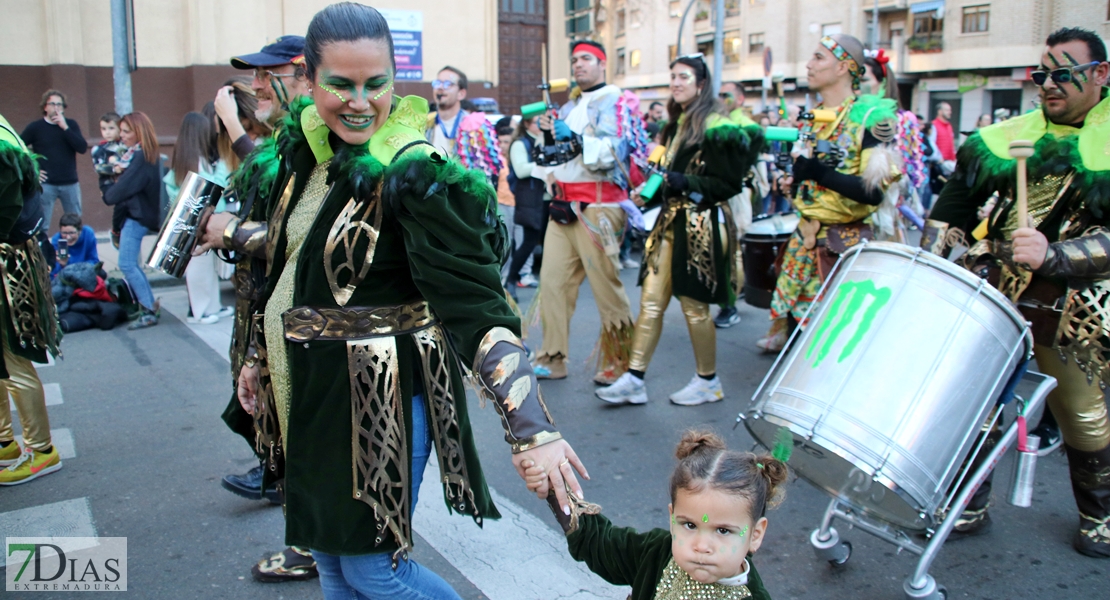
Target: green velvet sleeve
{"x": 454, "y": 241}
{"x": 621, "y": 555}
{"x": 755, "y": 583}
{"x": 728, "y": 153}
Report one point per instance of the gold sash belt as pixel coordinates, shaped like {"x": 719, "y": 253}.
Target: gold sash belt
{"x": 305, "y": 323}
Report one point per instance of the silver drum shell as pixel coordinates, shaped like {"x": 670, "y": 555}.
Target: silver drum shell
{"x": 886, "y": 424}
{"x": 178, "y": 236}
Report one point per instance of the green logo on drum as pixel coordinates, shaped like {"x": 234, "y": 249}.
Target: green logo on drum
{"x": 851, "y": 297}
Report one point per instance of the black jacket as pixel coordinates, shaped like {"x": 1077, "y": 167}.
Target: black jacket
{"x": 139, "y": 190}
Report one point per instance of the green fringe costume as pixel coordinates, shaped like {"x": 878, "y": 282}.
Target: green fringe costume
{"x": 396, "y": 285}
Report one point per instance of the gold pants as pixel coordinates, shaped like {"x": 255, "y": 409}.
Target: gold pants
{"x": 1079, "y": 407}
{"x": 572, "y": 253}
{"x": 25, "y": 387}
{"x": 655, "y": 295}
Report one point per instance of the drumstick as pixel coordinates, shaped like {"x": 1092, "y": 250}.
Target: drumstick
{"x": 1021, "y": 150}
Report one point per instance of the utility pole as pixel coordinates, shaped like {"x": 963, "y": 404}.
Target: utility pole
{"x": 719, "y": 45}
{"x": 121, "y": 56}
{"x": 875, "y": 26}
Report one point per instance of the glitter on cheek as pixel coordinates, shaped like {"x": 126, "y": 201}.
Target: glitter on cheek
{"x": 384, "y": 91}
{"x": 743, "y": 531}
{"x": 332, "y": 92}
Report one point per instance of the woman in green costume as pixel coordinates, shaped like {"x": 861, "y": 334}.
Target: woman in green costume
{"x": 383, "y": 279}
{"x": 689, "y": 251}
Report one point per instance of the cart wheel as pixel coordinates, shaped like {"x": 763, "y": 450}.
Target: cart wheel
{"x": 942, "y": 592}
{"x": 846, "y": 549}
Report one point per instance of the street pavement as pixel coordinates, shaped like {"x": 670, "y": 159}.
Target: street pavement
{"x": 139, "y": 412}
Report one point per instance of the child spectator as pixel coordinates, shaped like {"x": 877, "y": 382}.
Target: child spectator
{"x": 718, "y": 500}
{"x": 106, "y": 154}
{"x": 74, "y": 243}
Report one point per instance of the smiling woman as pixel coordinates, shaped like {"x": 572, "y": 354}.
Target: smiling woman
{"x": 384, "y": 273}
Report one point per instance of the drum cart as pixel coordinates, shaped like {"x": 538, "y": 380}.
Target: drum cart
{"x": 881, "y": 434}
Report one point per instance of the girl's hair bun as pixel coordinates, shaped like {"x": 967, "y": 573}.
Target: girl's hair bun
{"x": 693, "y": 442}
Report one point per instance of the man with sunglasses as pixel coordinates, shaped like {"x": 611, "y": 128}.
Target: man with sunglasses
{"x": 279, "y": 78}
{"x": 1055, "y": 267}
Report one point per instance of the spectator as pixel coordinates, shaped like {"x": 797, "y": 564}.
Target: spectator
{"x": 943, "y": 137}
{"x": 74, "y": 243}
{"x": 657, "y": 113}
{"x": 236, "y": 106}
{"x": 58, "y": 141}
{"x": 194, "y": 152}
{"x": 530, "y": 194}
{"x": 137, "y": 197}
{"x": 984, "y": 120}
{"x": 506, "y": 203}
{"x": 106, "y": 154}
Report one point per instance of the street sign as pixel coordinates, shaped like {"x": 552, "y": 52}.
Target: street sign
{"x": 767, "y": 61}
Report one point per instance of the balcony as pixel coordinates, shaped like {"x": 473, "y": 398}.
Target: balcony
{"x": 925, "y": 44}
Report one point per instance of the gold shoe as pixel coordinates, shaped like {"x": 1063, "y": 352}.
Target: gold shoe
{"x": 291, "y": 564}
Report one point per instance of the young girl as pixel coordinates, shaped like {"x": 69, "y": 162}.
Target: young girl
{"x": 718, "y": 498}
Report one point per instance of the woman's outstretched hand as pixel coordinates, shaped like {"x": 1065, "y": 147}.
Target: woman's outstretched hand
{"x": 551, "y": 467}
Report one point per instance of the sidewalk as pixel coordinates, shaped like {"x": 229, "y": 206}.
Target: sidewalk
{"x": 110, "y": 256}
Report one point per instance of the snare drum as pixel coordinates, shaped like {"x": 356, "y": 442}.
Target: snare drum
{"x": 760, "y": 247}
{"x": 888, "y": 386}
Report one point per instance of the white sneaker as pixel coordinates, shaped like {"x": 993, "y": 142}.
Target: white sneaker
{"x": 528, "y": 280}
{"x": 205, "y": 320}
{"x": 699, "y": 391}
{"x": 629, "y": 389}
{"x": 630, "y": 263}
{"x": 225, "y": 311}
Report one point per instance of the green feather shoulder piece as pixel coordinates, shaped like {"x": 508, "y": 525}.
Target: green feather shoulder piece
{"x": 23, "y": 164}
{"x": 868, "y": 110}
{"x": 291, "y": 136}
{"x": 255, "y": 177}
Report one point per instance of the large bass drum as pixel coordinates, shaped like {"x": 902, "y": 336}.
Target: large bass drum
{"x": 888, "y": 386}
{"x": 760, "y": 248}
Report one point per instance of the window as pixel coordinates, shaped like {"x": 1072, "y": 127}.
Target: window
{"x": 620, "y": 62}
{"x": 977, "y": 19}
{"x": 732, "y": 8}
{"x": 579, "y": 18}
{"x": 706, "y": 48}
{"x": 675, "y": 8}
{"x": 755, "y": 43}
{"x": 530, "y": 7}
{"x": 732, "y": 46}
{"x": 672, "y": 53}
{"x": 620, "y": 20}
{"x": 830, "y": 29}
{"x": 927, "y": 24}
{"x": 702, "y": 11}
{"x": 634, "y": 59}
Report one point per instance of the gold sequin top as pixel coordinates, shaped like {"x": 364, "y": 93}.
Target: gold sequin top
{"x": 296, "y": 230}
{"x": 676, "y": 584}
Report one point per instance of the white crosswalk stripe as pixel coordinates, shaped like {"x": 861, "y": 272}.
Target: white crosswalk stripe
{"x": 68, "y": 518}
{"x": 62, "y": 438}
{"x": 53, "y": 395}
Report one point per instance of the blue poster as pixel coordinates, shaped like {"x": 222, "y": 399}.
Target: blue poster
{"x": 407, "y": 27}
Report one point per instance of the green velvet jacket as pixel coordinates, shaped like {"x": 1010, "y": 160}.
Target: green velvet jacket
{"x": 715, "y": 168}
{"x": 624, "y": 556}
{"x": 438, "y": 240}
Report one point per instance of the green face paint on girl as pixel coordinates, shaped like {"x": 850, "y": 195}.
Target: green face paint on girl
{"x": 348, "y": 91}
{"x": 705, "y": 518}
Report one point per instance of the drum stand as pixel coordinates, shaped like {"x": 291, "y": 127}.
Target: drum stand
{"x": 921, "y": 585}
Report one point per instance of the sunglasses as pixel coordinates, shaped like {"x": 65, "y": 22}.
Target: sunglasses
{"x": 443, "y": 84}
{"x": 1062, "y": 75}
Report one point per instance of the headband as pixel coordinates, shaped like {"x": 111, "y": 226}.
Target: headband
{"x": 297, "y": 60}
{"x": 598, "y": 52}
{"x": 842, "y": 55}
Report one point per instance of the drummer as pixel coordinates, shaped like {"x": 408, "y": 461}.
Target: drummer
{"x": 1055, "y": 267}
{"x": 838, "y": 188}
{"x": 689, "y": 251}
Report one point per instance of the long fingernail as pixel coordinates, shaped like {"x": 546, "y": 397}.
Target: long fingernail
{"x": 566, "y": 510}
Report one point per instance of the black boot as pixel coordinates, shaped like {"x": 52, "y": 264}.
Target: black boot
{"x": 975, "y": 520}
{"x": 1090, "y": 482}
{"x": 249, "y": 486}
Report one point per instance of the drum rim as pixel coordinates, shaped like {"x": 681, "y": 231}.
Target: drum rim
{"x": 755, "y": 414}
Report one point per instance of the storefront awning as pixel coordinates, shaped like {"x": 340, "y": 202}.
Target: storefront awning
{"x": 929, "y": 6}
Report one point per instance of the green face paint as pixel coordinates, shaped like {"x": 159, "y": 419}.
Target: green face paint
{"x": 850, "y": 299}
{"x": 705, "y": 518}
{"x": 743, "y": 531}
{"x": 333, "y": 93}
{"x": 335, "y": 84}
{"x": 1075, "y": 76}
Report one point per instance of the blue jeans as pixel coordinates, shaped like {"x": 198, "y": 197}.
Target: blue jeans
{"x": 371, "y": 576}
{"x": 130, "y": 245}
{"x": 69, "y": 194}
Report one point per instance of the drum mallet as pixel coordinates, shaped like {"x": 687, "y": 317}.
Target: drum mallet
{"x": 1019, "y": 151}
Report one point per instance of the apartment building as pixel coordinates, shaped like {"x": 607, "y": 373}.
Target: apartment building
{"x": 973, "y": 54}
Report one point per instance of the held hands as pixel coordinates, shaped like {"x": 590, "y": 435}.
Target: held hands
{"x": 551, "y": 467}
{"x": 247, "y": 389}
{"x": 211, "y": 231}
{"x": 1030, "y": 247}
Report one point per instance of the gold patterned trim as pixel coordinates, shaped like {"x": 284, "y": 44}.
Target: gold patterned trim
{"x": 31, "y": 309}
{"x": 268, "y": 436}
{"x": 700, "y": 257}
{"x": 229, "y": 231}
{"x": 491, "y": 339}
{"x": 676, "y": 584}
{"x": 436, "y": 359}
{"x": 273, "y": 234}
{"x": 306, "y": 323}
{"x": 535, "y": 441}
{"x": 346, "y": 233}
{"x": 380, "y": 455}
